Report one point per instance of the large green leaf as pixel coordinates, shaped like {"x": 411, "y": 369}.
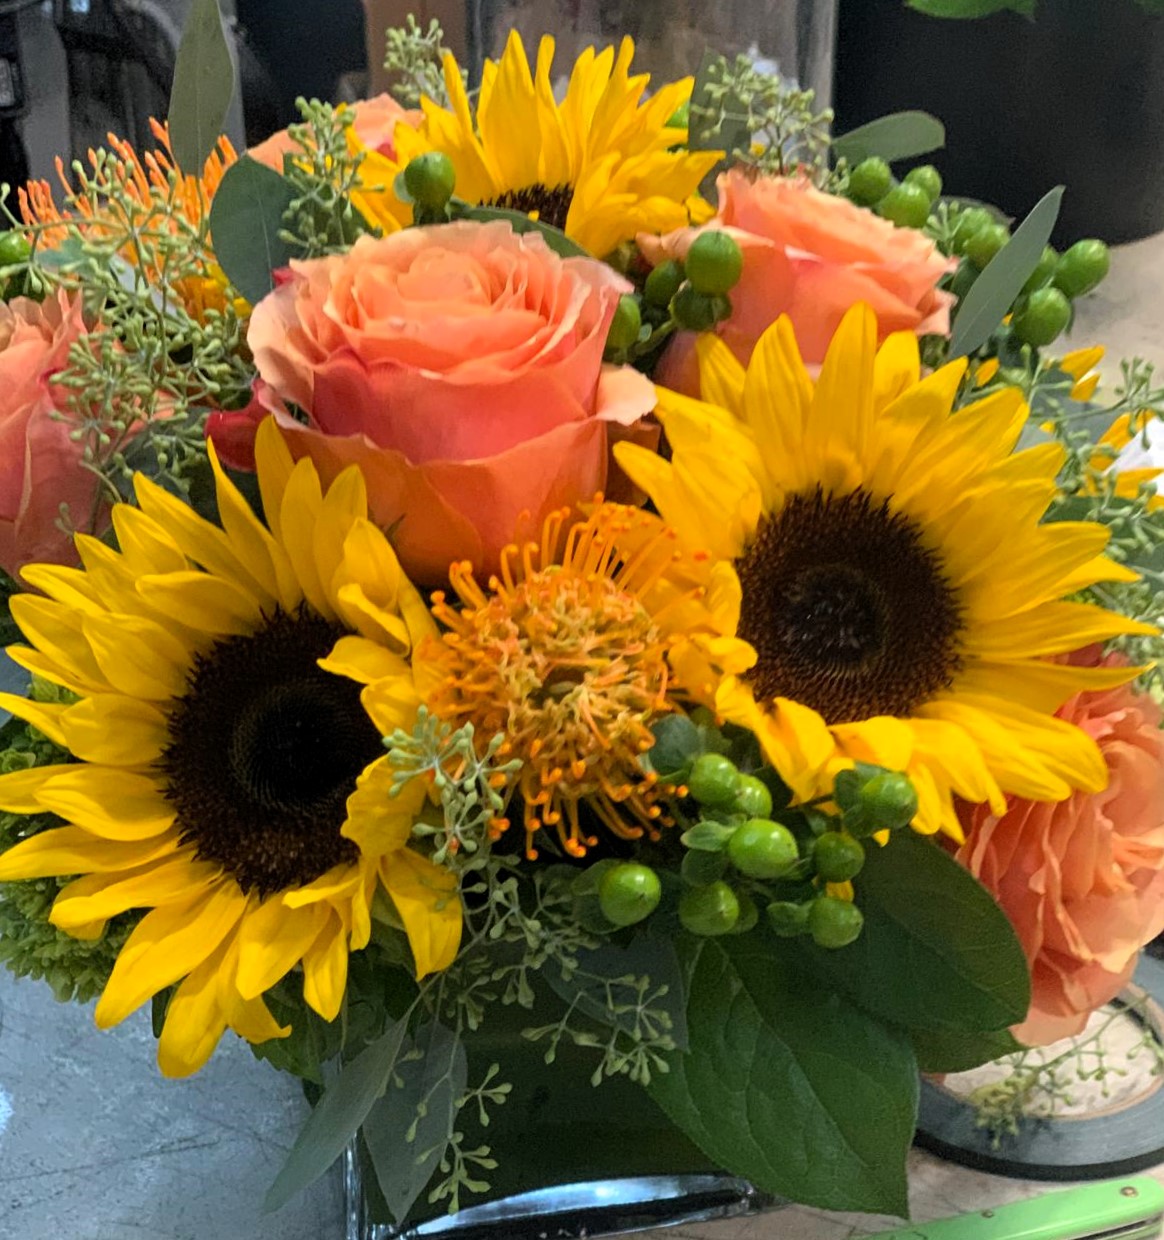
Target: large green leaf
{"x": 408, "y": 1130}
{"x": 788, "y": 1084}
{"x": 972, "y": 8}
{"x": 555, "y": 238}
{"x": 900, "y": 135}
{"x": 937, "y": 953}
{"x": 204, "y": 78}
{"x": 345, "y": 1104}
{"x": 245, "y": 219}
{"x": 958, "y": 1051}
{"x": 612, "y": 969}
{"x": 993, "y": 293}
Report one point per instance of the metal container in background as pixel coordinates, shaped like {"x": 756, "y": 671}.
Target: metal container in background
{"x": 670, "y": 35}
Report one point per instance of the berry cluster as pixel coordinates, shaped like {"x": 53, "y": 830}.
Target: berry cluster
{"x": 747, "y": 852}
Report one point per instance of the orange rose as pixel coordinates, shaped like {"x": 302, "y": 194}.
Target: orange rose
{"x": 1082, "y": 880}
{"x": 811, "y": 256}
{"x": 40, "y": 464}
{"x": 374, "y": 126}
{"x": 460, "y": 367}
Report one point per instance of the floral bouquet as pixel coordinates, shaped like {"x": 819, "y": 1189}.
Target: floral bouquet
{"x": 587, "y": 622}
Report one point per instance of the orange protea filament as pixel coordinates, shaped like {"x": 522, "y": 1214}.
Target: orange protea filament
{"x": 563, "y": 655}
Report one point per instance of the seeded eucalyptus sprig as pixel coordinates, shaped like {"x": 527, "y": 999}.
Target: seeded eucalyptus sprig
{"x": 414, "y": 56}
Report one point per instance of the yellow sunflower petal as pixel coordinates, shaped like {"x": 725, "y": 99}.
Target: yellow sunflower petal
{"x": 113, "y": 804}
{"x": 166, "y": 945}
{"x": 137, "y": 657}
{"x": 44, "y": 716}
{"x": 195, "y": 1022}
{"x": 325, "y": 970}
{"x": 363, "y": 661}
{"x": 97, "y": 897}
{"x": 271, "y": 942}
{"x": 72, "y": 850}
{"x": 20, "y": 790}
{"x": 426, "y": 898}
{"x": 113, "y": 730}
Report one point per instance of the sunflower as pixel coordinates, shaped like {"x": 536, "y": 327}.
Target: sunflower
{"x": 603, "y": 165}
{"x": 232, "y": 688}
{"x": 585, "y": 638}
{"x": 902, "y": 596}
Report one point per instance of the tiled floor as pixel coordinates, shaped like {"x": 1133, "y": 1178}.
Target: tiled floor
{"x": 94, "y": 1145}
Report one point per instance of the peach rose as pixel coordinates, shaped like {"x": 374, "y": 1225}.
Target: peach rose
{"x": 40, "y": 465}
{"x": 1082, "y": 880}
{"x": 374, "y": 125}
{"x": 460, "y": 366}
{"x": 811, "y": 256}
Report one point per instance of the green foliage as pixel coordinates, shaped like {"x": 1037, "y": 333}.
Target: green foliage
{"x": 758, "y": 119}
{"x": 246, "y": 218}
{"x": 323, "y": 174}
{"x": 788, "y": 1084}
{"x": 470, "y": 787}
{"x": 414, "y": 57}
{"x": 900, "y": 135}
{"x": 937, "y": 953}
{"x": 951, "y": 1050}
{"x": 520, "y": 222}
{"x": 204, "y": 81}
{"x": 972, "y": 8}
{"x": 994, "y": 292}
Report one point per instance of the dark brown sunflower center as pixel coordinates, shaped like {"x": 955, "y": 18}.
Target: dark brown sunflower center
{"x": 265, "y": 748}
{"x": 849, "y": 611}
{"x": 551, "y": 204}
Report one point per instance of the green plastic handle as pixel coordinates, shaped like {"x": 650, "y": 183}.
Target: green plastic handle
{"x": 1120, "y": 1209}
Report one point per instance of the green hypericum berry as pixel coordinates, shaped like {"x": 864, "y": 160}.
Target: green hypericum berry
{"x": 430, "y": 179}
{"x": 714, "y": 263}
{"x": 1082, "y": 267}
{"x": 709, "y": 910}
{"x": 788, "y": 920}
{"x": 986, "y": 243}
{"x": 907, "y": 206}
{"x": 970, "y": 221}
{"x": 626, "y": 324}
{"x": 663, "y": 283}
{"x": 964, "y": 279}
{"x": 763, "y": 849}
{"x": 1043, "y": 318}
{"x": 752, "y": 798}
{"x": 713, "y": 780}
{"x": 1042, "y": 274}
{"x": 677, "y": 745}
{"x": 749, "y": 915}
{"x": 13, "y": 249}
{"x": 837, "y": 856}
{"x": 694, "y": 311}
{"x": 833, "y": 922}
{"x": 870, "y": 181}
{"x": 629, "y": 893}
{"x": 928, "y": 178}
{"x": 888, "y": 801}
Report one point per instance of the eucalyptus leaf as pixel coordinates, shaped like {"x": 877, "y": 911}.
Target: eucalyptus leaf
{"x": 408, "y": 1130}
{"x": 344, "y": 1106}
{"x": 646, "y": 955}
{"x": 245, "y": 219}
{"x": 936, "y": 953}
{"x": 972, "y": 8}
{"x": 993, "y": 293}
{"x": 900, "y": 135}
{"x": 555, "y": 238}
{"x": 733, "y": 134}
{"x": 204, "y": 81}
{"x": 788, "y": 1084}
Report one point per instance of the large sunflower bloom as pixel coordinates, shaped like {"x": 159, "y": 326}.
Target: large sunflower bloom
{"x": 603, "y": 165}
{"x": 903, "y": 598}
{"x": 585, "y": 637}
{"x": 230, "y": 773}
